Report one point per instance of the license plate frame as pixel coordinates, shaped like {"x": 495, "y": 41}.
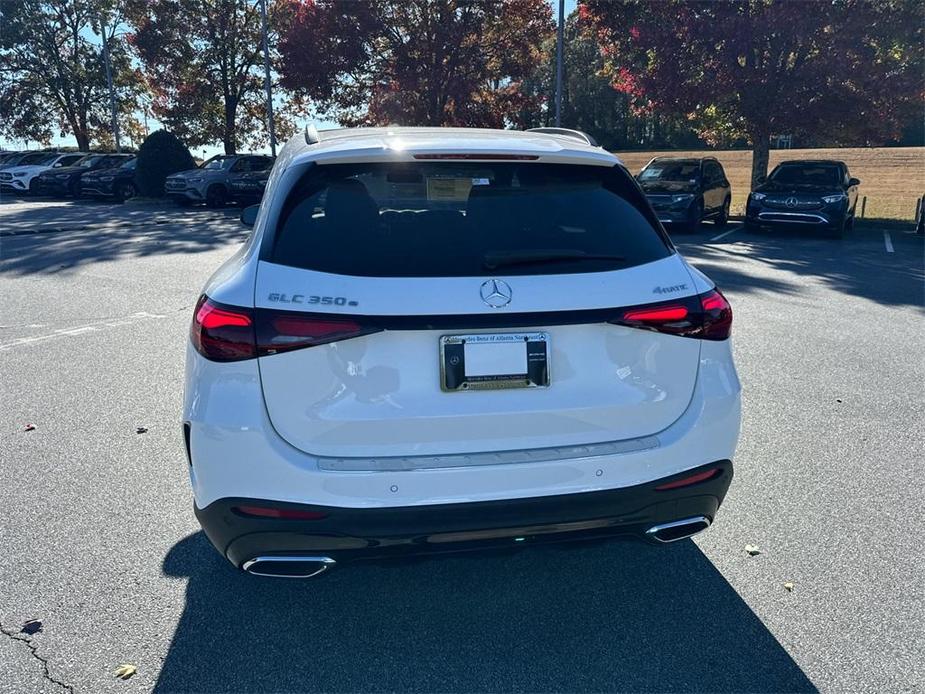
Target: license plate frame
{"x": 453, "y": 377}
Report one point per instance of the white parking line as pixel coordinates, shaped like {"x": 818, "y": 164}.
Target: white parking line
{"x": 888, "y": 242}
{"x": 82, "y": 329}
{"x": 725, "y": 233}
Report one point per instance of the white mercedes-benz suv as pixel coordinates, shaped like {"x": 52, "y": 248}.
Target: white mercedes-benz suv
{"x": 438, "y": 339}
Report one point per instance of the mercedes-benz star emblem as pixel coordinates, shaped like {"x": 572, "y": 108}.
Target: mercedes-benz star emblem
{"x": 496, "y": 293}
{"x": 791, "y": 202}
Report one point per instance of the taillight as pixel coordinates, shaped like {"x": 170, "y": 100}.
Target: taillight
{"x": 223, "y": 333}
{"x": 279, "y": 331}
{"x": 717, "y": 316}
{"x": 705, "y": 317}
{"x": 230, "y": 333}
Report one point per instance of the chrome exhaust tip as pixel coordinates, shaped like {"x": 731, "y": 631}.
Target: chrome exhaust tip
{"x": 288, "y": 566}
{"x": 678, "y": 530}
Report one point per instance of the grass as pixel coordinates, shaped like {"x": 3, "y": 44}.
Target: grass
{"x": 892, "y": 178}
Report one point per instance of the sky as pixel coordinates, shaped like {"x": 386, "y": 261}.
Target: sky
{"x": 208, "y": 151}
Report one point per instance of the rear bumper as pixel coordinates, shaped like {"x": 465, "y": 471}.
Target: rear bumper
{"x": 348, "y": 534}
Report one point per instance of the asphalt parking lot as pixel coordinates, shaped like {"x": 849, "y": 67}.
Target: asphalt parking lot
{"x": 99, "y": 541}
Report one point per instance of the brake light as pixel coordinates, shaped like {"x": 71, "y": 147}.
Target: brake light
{"x": 657, "y": 315}
{"x": 705, "y": 317}
{"x": 223, "y": 333}
{"x": 717, "y": 316}
{"x": 478, "y": 157}
{"x": 283, "y": 331}
{"x": 231, "y": 333}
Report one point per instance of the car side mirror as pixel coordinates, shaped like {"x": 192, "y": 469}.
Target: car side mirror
{"x": 249, "y": 215}
{"x": 854, "y": 182}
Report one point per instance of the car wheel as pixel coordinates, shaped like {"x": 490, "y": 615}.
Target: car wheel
{"x": 215, "y": 197}
{"x": 75, "y": 189}
{"x": 723, "y": 216}
{"x": 33, "y": 187}
{"x": 126, "y": 192}
{"x": 695, "y": 217}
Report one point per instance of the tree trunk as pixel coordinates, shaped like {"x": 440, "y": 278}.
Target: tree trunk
{"x": 83, "y": 140}
{"x": 761, "y": 154}
{"x": 229, "y": 137}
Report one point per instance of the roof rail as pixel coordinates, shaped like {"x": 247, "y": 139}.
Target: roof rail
{"x": 311, "y": 134}
{"x": 567, "y": 132}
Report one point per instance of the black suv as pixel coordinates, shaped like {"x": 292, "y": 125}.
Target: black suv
{"x": 810, "y": 193}
{"x": 683, "y": 192}
{"x": 67, "y": 179}
{"x": 117, "y": 182}
{"x": 247, "y": 188}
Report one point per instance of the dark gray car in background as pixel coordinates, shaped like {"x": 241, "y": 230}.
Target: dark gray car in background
{"x": 685, "y": 191}
{"x": 210, "y": 183}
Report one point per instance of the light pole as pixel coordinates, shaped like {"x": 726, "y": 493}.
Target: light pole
{"x": 559, "y": 40}
{"x": 112, "y": 94}
{"x": 266, "y": 82}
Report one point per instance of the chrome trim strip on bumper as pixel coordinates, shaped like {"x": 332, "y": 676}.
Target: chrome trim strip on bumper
{"x": 795, "y": 217}
{"x": 457, "y": 460}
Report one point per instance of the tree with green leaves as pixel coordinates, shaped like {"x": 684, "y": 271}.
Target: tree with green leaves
{"x": 849, "y": 71}
{"x": 52, "y": 75}
{"x": 160, "y": 155}
{"x": 204, "y": 64}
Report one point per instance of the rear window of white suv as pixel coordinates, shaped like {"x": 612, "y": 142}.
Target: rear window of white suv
{"x": 447, "y": 219}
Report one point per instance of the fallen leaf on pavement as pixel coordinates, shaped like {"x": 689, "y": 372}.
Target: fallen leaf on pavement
{"x": 33, "y": 626}
{"x": 752, "y": 550}
{"x": 789, "y": 587}
{"x": 124, "y": 671}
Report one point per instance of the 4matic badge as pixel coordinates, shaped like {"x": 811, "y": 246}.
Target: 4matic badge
{"x": 311, "y": 299}
{"x": 669, "y": 290}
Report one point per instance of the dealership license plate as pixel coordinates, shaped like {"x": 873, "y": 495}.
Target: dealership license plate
{"x": 494, "y": 361}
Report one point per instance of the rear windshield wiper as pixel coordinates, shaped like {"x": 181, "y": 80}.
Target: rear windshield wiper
{"x": 495, "y": 259}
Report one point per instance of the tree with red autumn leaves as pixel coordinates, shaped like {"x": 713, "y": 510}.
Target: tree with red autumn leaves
{"x": 847, "y": 70}
{"x": 416, "y": 62}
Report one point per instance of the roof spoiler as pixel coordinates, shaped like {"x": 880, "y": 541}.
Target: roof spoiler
{"x": 567, "y": 132}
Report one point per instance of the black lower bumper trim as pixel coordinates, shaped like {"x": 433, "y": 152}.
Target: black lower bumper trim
{"x": 345, "y": 534}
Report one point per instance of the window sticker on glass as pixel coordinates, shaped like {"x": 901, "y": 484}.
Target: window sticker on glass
{"x": 449, "y": 189}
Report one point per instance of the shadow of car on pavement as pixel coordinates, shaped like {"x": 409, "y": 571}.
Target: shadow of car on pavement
{"x": 612, "y": 616}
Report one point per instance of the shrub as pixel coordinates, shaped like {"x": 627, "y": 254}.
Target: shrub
{"x": 160, "y": 155}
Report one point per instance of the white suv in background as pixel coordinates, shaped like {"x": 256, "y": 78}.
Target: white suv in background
{"x": 438, "y": 339}
{"x": 23, "y": 178}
